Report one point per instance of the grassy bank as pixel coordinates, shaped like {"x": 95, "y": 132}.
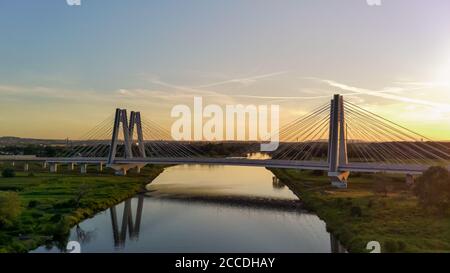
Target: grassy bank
{"x": 51, "y": 204}
{"x": 377, "y": 207}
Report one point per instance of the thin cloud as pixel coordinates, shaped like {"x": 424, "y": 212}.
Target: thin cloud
{"x": 246, "y": 80}
{"x": 425, "y": 84}
{"x": 386, "y": 93}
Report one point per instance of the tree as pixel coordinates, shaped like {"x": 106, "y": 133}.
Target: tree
{"x": 433, "y": 189}
{"x": 8, "y": 173}
{"x": 82, "y": 191}
{"x": 10, "y": 207}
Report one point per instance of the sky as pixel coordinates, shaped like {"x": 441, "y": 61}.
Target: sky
{"x": 64, "y": 69}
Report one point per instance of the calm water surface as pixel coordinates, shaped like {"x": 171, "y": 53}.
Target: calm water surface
{"x": 155, "y": 222}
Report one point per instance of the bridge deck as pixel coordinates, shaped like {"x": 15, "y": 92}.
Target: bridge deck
{"x": 269, "y": 163}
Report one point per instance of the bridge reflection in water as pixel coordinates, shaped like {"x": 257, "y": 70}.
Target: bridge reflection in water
{"x": 131, "y": 228}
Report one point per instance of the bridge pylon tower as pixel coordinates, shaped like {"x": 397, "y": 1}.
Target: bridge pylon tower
{"x": 135, "y": 122}
{"x": 337, "y": 143}
{"x": 128, "y": 133}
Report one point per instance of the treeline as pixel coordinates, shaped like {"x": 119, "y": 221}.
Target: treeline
{"x": 38, "y": 150}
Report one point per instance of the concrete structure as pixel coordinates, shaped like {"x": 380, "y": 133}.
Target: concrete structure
{"x": 410, "y": 179}
{"x": 337, "y": 144}
{"x": 120, "y": 118}
{"x": 53, "y": 167}
{"x": 83, "y": 168}
{"x": 71, "y": 166}
{"x": 128, "y": 132}
{"x": 26, "y": 167}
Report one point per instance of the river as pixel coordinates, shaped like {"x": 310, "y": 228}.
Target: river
{"x": 206, "y": 209}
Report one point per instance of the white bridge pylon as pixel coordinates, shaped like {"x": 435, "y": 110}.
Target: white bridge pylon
{"x": 128, "y": 133}
{"x": 337, "y": 143}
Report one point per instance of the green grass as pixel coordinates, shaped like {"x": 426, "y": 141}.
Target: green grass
{"x": 48, "y": 207}
{"x": 395, "y": 220}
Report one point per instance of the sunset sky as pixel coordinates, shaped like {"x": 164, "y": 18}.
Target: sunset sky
{"x": 64, "y": 69}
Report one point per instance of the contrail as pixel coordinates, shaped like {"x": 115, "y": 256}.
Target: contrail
{"x": 383, "y": 94}
{"x": 243, "y": 80}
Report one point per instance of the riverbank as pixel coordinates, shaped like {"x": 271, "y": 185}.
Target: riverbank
{"x": 378, "y": 207}
{"x": 51, "y": 204}
{"x": 240, "y": 201}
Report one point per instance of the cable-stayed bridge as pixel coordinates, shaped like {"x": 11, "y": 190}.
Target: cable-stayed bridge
{"x": 338, "y": 137}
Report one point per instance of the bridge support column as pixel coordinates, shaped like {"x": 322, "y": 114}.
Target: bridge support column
{"x": 26, "y": 167}
{"x": 410, "y": 180}
{"x": 53, "y": 167}
{"x": 339, "y": 179}
{"x": 139, "y": 167}
{"x": 13, "y": 164}
{"x": 122, "y": 169}
{"x": 83, "y": 168}
{"x": 71, "y": 166}
{"x": 337, "y": 144}
{"x": 122, "y": 172}
{"x": 100, "y": 167}
{"x": 44, "y": 165}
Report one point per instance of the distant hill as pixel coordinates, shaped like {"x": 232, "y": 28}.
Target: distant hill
{"x": 11, "y": 140}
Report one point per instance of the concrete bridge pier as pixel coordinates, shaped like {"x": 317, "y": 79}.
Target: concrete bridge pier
{"x": 44, "y": 165}
{"x": 339, "y": 179}
{"x": 53, "y": 167}
{"x": 71, "y": 166}
{"x": 121, "y": 172}
{"x": 122, "y": 169}
{"x": 83, "y": 168}
{"x": 100, "y": 167}
{"x": 26, "y": 167}
{"x": 410, "y": 180}
{"x": 13, "y": 163}
{"x": 139, "y": 167}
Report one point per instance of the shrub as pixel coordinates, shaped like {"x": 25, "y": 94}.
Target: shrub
{"x": 318, "y": 173}
{"x": 37, "y": 214}
{"x": 340, "y": 202}
{"x": 11, "y": 188}
{"x": 8, "y": 173}
{"x": 33, "y": 204}
{"x": 69, "y": 204}
{"x": 391, "y": 246}
{"x": 433, "y": 189}
{"x": 56, "y": 218}
{"x": 10, "y": 207}
{"x": 356, "y": 211}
